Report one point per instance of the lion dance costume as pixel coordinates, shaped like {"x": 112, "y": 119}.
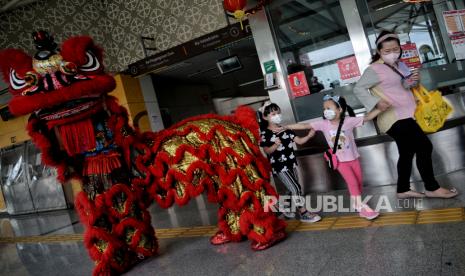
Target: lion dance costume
{"x": 85, "y": 134}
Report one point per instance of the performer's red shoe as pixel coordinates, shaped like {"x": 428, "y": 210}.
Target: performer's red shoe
{"x": 219, "y": 238}
{"x": 276, "y": 238}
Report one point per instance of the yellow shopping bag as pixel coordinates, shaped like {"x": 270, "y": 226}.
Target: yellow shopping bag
{"x": 432, "y": 109}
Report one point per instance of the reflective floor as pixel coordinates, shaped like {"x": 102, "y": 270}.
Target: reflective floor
{"x": 368, "y": 249}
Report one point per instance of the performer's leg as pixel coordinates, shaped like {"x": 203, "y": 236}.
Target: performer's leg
{"x": 133, "y": 224}
{"x": 118, "y": 231}
{"x": 261, "y": 226}
{"x": 105, "y": 248}
{"x": 243, "y": 217}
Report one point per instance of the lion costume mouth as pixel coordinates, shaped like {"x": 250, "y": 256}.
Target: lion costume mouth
{"x": 53, "y": 100}
{"x": 69, "y": 109}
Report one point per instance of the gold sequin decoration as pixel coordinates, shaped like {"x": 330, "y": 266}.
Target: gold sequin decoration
{"x": 129, "y": 234}
{"x": 237, "y": 187}
{"x": 251, "y": 173}
{"x": 219, "y": 142}
{"x": 119, "y": 257}
{"x": 239, "y": 148}
{"x": 217, "y": 181}
{"x": 259, "y": 229}
{"x": 193, "y": 138}
{"x": 260, "y": 194}
{"x": 172, "y": 144}
{"x": 180, "y": 189}
{"x": 230, "y": 162}
{"x": 246, "y": 147}
{"x": 50, "y": 65}
{"x": 186, "y": 161}
{"x": 101, "y": 245}
{"x": 198, "y": 176}
{"x": 233, "y": 221}
{"x": 119, "y": 202}
{"x": 215, "y": 145}
{"x": 205, "y": 125}
{"x": 144, "y": 242}
{"x": 251, "y": 136}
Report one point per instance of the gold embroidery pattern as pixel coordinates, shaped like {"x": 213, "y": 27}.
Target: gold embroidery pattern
{"x": 233, "y": 221}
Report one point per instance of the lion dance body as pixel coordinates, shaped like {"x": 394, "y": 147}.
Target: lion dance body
{"x": 85, "y": 134}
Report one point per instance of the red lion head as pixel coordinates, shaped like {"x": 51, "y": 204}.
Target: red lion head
{"x": 53, "y": 78}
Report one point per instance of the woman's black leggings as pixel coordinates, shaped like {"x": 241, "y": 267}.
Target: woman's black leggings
{"x": 411, "y": 140}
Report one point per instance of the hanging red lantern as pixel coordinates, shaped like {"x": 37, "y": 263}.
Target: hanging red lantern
{"x": 236, "y": 7}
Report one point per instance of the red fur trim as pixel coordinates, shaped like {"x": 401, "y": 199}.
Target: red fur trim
{"x": 101, "y": 84}
{"x": 93, "y": 235}
{"x": 74, "y": 50}
{"x": 90, "y": 211}
{"x": 224, "y": 226}
{"x": 164, "y": 201}
{"x": 267, "y": 221}
{"x": 40, "y": 136}
{"x": 103, "y": 269}
{"x": 141, "y": 229}
{"x": 269, "y": 190}
{"x": 106, "y": 258}
{"x": 117, "y": 190}
{"x": 207, "y": 137}
{"x": 247, "y": 118}
{"x": 100, "y": 201}
{"x": 16, "y": 60}
{"x": 165, "y": 170}
{"x": 142, "y": 196}
{"x": 232, "y": 119}
{"x": 84, "y": 207}
{"x": 142, "y": 162}
{"x": 146, "y": 218}
{"x": 117, "y": 122}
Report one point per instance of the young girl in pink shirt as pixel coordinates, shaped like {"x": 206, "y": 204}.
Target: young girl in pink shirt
{"x": 334, "y": 109}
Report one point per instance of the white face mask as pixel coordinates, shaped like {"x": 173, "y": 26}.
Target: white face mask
{"x": 329, "y": 114}
{"x": 390, "y": 58}
{"x": 276, "y": 119}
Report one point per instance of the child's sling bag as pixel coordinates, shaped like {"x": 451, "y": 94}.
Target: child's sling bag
{"x": 330, "y": 154}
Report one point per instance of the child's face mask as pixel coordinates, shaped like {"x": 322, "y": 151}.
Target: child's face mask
{"x": 329, "y": 114}
{"x": 276, "y": 119}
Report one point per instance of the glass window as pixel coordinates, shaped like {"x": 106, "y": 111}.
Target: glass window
{"x": 313, "y": 34}
{"x": 416, "y": 25}
{"x": 419, "y": 27}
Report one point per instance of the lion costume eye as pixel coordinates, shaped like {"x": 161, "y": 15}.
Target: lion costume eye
{"x": 92, "y": 63}
{"x": 16, "y": 82}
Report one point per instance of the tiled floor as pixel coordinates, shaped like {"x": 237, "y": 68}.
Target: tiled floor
{"x": 392, "y": 245}
{"x": 436, "y": 249}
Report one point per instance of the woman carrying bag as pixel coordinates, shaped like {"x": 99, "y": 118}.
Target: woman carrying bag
{"x": 385, "y": 85}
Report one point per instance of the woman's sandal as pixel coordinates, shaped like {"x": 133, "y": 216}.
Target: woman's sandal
{"x": 410, "y": 194}
{"x": 450, "y": 194}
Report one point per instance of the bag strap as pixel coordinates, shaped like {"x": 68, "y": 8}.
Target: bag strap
{"x": 396, "y": 71}
{"x": 420, "y": 95}
{"x": 337, "y": 135}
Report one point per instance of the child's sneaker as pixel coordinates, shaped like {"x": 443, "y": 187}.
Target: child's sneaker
{"x": 367, "y": 212}
{"x": 309, "y": 217}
